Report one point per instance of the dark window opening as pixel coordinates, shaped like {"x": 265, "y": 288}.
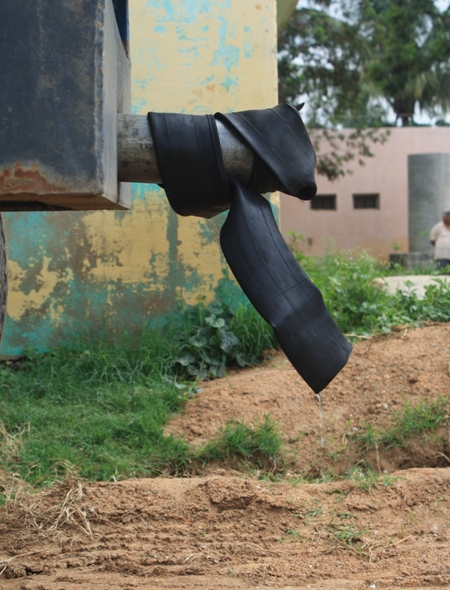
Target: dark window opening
{"x": 367, "y": 201}
{"x": 321, "y": 202}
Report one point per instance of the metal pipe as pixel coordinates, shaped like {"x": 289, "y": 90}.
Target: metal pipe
{"x": 137, "y": 159}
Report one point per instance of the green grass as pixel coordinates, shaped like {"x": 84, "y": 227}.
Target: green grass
{"x": 260, "y": 446}
{"x": 366, "y": 479}
{"x": 102, "y": 406}
{"x": 106, "y": 430}
{"x": 412, "y": 420}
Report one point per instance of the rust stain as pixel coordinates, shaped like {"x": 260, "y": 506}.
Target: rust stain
{"x": 211, "y": 87}
{"x": 27, "y": 180}
{"x": 258, "y": 6}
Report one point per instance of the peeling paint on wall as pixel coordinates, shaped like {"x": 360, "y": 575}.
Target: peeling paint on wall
{"x": 77, "y": 273}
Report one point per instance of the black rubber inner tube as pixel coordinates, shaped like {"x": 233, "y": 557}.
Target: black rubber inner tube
{"x": 193, "y": 176}
{"x": 281, "y": 291}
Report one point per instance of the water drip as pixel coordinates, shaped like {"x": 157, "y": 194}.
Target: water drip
{"x": 322, "y": 438}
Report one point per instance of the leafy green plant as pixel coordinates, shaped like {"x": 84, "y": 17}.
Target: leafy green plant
{"x": 208, "y": 339}
{"x": 358, "y": 304}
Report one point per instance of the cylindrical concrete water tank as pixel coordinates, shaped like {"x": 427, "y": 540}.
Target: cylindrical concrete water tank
{"x": 428, "y": 195}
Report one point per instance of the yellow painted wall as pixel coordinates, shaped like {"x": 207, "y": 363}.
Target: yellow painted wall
{"x": 76, "y": 271}
{"x": 201, "y": 57}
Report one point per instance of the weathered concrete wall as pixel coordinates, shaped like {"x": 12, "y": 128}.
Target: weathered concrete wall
{"x": 378, "y": 231}
{"x": 74, "y": 272}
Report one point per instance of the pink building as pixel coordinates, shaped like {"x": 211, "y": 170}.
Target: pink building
{"x": 369, "y": 208}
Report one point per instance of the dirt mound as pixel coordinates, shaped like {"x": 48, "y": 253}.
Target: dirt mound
{"x": 233, "y": 531}
{"x": 226, "y": 532}
{"x": 383, "y": 373}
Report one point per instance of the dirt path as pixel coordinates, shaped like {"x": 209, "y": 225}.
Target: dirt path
{"x": 229, "y": 530}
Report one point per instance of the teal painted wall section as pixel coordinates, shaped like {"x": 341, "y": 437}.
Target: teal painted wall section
{"x": 74, "y": 273}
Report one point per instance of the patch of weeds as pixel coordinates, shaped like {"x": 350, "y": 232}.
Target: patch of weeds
{"x": 260, "y": 446}
{"x": 326, "y": 476}
{"x": 366, "y": 479}
{"x": 295, "y": 478}
{"x": 349, "y": 534}
{"x": 416, "y": 419}
{"x": 11, "y": 444}
{"x": 12, "y": 485}
{"x": 314, "y": 512}
{"x": 311, "y": 514}
{"x": 292, "y": 535}
{"x": 336, "y": 454}
{"x": 337, "y": 517}
{"x": 299, "y": 436}
{"x": 359, "y": 306}
{"x": 387, "y": 480}
{"x": 338, "y": 494}
{"x": 411, "y": 420}
{"x": 411, "y": 519}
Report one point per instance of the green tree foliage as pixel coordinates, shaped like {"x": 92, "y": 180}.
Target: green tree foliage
{"x": 322, "y": 57}
{"x": 357, "y": 61}
{"x": 409, "y": 63}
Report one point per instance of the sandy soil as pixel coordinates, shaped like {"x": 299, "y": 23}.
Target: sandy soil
{"x": 228, "y": 529}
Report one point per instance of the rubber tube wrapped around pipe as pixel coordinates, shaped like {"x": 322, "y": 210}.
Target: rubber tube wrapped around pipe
{"x": 136, "y": 157}
{"x": 193, "y": 176}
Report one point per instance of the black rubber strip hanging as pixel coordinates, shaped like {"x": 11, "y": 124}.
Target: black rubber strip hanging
{"x": 191, "y": 166}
